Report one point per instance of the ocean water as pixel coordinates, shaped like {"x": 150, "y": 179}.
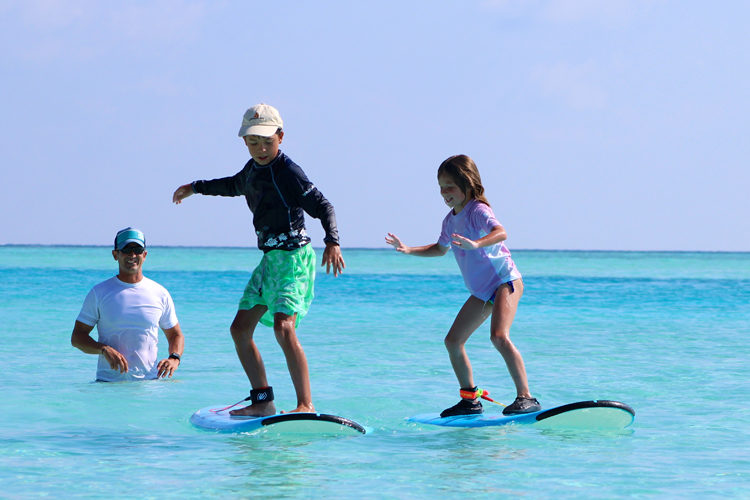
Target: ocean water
{"x": 666, "y": 333}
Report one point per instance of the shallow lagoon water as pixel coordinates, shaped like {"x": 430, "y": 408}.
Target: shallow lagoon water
{"x": 664, "y": 332}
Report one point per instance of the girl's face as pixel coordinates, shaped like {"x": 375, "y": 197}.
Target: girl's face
{"x": 452, "y": 194}
{"x": 263, "y": 149}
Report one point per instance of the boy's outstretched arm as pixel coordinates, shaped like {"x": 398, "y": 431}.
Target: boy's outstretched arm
{"x": 182, "y": 192}
{"x": 332, "y": 258}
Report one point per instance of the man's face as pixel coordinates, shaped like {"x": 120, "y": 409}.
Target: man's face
{"x": 130, "y": 258}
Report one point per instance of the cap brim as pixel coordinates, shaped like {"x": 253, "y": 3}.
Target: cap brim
{"x": 261, "y": 130}
{"x": 125, "y": 243}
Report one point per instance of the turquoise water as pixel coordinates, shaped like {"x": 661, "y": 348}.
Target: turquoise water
{"x": 664, "y": 332}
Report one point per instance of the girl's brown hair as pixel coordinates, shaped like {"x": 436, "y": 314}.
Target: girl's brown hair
{"x": 465, "y": 174}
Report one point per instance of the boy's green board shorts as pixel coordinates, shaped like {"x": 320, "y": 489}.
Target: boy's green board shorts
{"x": 284, "y": 281}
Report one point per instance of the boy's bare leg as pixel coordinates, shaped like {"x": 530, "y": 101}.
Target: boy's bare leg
{"x": 296, "y": 360}
{"x": 242, "y": 330}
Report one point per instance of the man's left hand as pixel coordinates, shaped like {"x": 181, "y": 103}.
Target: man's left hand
{"x": 167, "y": 367}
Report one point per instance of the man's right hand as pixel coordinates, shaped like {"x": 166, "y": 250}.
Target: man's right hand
{"x": 116, "y": 360}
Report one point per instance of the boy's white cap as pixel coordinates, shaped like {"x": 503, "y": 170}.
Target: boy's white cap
{"x": 262, "y": 120}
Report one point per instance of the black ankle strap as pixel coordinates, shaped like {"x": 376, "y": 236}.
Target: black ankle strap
{"x": 262, "y": 395}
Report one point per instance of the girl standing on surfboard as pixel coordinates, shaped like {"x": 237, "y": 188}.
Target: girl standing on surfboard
{"x": 476, "y": 237}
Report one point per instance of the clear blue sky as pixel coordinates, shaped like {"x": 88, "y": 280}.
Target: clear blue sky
{"x": 595, "y": 124}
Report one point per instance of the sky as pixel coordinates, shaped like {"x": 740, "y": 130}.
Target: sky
{"x": 596, "y": 125}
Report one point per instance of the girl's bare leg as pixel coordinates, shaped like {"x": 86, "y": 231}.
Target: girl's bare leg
{"x": 469, "y": 318}
{"x": 503, "y": 313}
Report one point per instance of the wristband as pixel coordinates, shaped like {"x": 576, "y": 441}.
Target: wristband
{"x": 176, "y": 356}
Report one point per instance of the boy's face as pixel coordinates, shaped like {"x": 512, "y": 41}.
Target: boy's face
{"x": 263, "y": 149}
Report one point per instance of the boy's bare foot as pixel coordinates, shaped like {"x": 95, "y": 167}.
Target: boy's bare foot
{"x": 255, "y": 410}
{"x": 303, "y": 408}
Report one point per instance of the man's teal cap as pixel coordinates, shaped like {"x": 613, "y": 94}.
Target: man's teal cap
{"x": 129, "y": 235}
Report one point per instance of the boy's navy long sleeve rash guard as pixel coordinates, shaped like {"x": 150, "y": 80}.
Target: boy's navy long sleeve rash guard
{"x": 277, "y": 194}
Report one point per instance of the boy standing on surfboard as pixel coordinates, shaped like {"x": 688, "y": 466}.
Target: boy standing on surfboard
{"x": 280, "y": 289}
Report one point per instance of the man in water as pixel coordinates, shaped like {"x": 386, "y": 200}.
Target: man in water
{"x": 128, "y": 310}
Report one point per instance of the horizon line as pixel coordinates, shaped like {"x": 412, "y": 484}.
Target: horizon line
{"x": 58, "y": 245}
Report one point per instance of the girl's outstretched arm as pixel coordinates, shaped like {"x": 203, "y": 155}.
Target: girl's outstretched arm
{"x": 497, "y": 235}
{"x": 433, "y": 250}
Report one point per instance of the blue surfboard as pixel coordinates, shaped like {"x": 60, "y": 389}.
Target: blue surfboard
{"x": 217, "y": 418}
{"x": 598, "y": 414}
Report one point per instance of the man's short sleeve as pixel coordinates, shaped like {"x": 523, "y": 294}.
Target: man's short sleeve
{"x": 89, "y": 314}
{"x": 169, "y": 316}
